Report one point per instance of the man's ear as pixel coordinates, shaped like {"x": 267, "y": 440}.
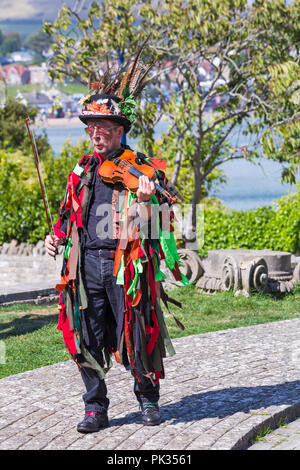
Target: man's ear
{"x": 120, "y": 131}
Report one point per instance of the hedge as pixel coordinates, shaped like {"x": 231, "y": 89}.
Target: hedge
{"x": 274, "y": 227}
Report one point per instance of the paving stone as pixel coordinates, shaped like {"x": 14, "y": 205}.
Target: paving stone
{"x": 221, "y": 388}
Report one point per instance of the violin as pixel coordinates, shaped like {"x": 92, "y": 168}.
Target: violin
{"x": 126, "y": 168}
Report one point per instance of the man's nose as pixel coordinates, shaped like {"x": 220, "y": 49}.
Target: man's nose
{"x": 97, "y": 132}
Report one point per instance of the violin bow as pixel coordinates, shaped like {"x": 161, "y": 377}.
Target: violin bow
{"x": 41, "y": 180}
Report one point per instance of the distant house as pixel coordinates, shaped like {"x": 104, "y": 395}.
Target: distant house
{"x": 39, "y": 100}
{"x": 39, "y": 74}
{"x": 66, "y": 101}
{"x": 16, "y": 74}
{"x": 21, "y": 56}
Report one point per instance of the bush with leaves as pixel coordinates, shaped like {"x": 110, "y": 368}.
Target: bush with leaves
{"x": 274, "y": 227}
{"x": 10, "y": 42}
{"x": 21, "y": 206}
{"x": 13, "y": 132}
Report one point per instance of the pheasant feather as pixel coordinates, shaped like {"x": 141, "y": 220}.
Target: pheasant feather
{"x": 126, "y": 86}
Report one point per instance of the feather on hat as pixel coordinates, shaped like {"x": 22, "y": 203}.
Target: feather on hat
{"x": 113, "y": 96}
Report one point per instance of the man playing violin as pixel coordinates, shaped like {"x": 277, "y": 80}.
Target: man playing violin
{"x": 110, "y": 282}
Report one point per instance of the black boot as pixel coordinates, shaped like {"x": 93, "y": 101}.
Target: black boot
{"x": 150, "y": 413}
{"x": 93, "y": 421}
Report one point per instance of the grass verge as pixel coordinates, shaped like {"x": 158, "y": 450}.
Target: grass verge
{"x": 29, "y": 338}
{"x": 202, "y": 313}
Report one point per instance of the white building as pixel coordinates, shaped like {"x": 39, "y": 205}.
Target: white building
{"x": 39, "y": 74}
{"x": 21, "y": 56}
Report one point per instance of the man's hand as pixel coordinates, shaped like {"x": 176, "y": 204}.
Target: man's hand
{"x": 51, "y": 242}
{"x": 146, "y": 189}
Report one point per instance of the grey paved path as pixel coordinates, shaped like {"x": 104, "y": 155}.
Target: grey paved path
{"x": 220, "y": 389}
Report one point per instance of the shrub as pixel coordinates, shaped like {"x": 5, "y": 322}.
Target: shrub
{"x": 274, "y": 227}
{"x": 13, "y": 132}
{"x": 21, "y": 206}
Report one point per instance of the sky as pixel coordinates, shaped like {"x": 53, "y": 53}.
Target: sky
{"x": 31, "y": 9}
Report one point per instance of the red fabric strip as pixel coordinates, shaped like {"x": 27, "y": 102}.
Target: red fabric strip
{"x": 155, "y": 331}
{"x": 63, "y": 325}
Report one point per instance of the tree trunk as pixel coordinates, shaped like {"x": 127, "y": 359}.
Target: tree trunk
{"x": 176, "y": 168}
{"x": 192, "y": 218}
{"x": 191, "y": 212}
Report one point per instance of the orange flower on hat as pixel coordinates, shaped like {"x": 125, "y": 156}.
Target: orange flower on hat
{"x": 94, "y": 107}
{"x": 104, "y": 109}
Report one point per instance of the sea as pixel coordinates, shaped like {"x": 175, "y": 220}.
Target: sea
{"x": 247, "y": 186}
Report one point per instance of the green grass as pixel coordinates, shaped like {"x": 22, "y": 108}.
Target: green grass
{"x": 69, "y": 89}
{"x": 266, "y": 430}
{"x": 31, "y": 339}
{"x": 202, "y": 313}
{"x": 12, "y": 90}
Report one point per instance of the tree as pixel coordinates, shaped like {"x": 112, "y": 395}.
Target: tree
{"x": 10, "y": 43}
{"x": 243, "y": 47}
{"x": 38, "y": 42}
{"x": 13, "y": 133}
{"x": 21, "y": 206}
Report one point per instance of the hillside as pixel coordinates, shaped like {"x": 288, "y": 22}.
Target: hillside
{"x": 31, "y": 10}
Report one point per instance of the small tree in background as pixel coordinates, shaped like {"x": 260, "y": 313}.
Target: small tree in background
{"x": 10, "y": 42}
{"x": 38, "y": 42}
{"x": 13, "y": 133}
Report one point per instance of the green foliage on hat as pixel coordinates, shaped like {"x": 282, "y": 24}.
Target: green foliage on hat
{"x": 128, "y": 108}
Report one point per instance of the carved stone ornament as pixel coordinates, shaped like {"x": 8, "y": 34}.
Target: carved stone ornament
{"x": 244, "y": 271}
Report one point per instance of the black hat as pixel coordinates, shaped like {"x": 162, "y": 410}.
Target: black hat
{"x": 101, "y": 106}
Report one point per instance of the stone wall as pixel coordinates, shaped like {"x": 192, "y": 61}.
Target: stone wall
{"x": 27, "y": 273}
{"x": 24, "y": 249}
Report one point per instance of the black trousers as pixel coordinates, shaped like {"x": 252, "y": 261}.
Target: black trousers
{"x": 100, "y": 323}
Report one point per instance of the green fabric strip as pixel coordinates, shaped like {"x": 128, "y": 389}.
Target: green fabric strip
{"x": 121, "y": 273}
{"x": 156, "y": 358}
{"x": 163, "y": 329}
{"x": 82, "y": 293}
{"x": 67, "y": 249}
{"x": 138, "y": 269}
{"x": 184, "y": 281}
{"x": 77, "y": 324}
{"x": 159, "y": 275}
{"x": 101, "y": 371}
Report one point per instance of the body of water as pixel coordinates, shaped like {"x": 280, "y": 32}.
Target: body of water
{"x": 248, "y": 186}
{"x": 25, "y": 28}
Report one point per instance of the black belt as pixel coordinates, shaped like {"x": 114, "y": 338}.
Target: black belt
{"x": 103, "y": 253}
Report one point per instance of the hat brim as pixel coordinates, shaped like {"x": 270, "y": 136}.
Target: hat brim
{"x": 120, "y": 120}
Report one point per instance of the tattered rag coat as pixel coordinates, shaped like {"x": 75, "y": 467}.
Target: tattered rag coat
{"x": 141, "y": 333}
